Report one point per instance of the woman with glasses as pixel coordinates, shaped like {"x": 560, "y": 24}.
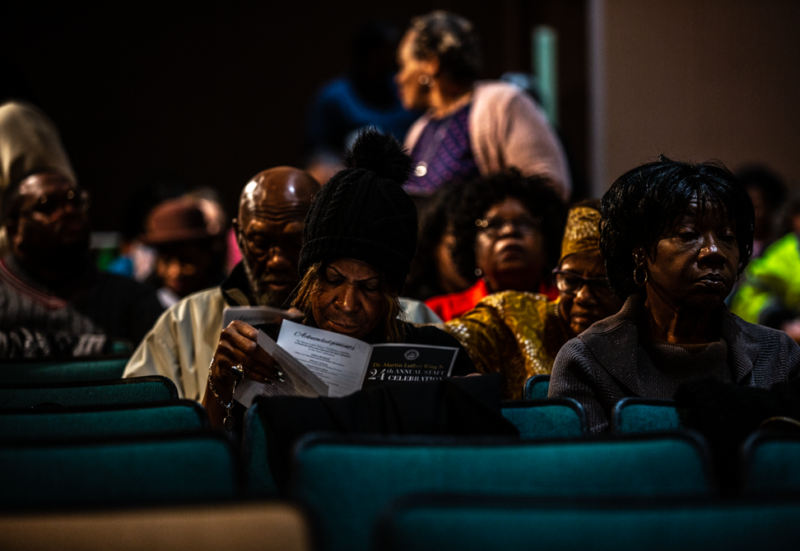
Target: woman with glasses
{"x": 508, "y": 232}
{"x": 518, "y": 334}
{"x": 674, "y": 238}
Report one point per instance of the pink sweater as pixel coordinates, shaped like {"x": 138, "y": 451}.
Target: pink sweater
{"x": 507, "y": 130}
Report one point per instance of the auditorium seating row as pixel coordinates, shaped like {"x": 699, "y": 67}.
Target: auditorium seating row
{"x": 134, "y": 447}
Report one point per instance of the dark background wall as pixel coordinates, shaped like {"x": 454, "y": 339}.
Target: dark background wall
{"x": 209, "y": 97}
{"x": 716, "y": 79}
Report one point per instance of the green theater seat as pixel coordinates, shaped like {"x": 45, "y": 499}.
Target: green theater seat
{"x": 122, "y": 391}
{"x": 119, "y": 472}
{"x": 49, "y": 371}
{"x": 536, "y": 387}
{"x": 770, "y": 463}
{"x": 461, "y": 523}
{"x": 95, "y": 421}
{"x": 553, "y": 418}
{"x": 638, "y": 415}
{"x": 349, "y": 481}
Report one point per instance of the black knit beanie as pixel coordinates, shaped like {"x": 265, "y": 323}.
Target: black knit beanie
{"x": 364, "y": 213}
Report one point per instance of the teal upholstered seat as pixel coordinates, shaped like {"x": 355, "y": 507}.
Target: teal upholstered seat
{"x": 122, "y": 391}
{"x": 770, "y": 463}
{"x": 637, "y": 415}
{"x": 106, "y": 472}
{"x": 554, "y": 418}
{"x": 95, "y": 421}
{"x": 49, "y": 371}
{"x": 536, "y": 387}
{"x": 477, "y": 524}
{"x": 348, "y": 481}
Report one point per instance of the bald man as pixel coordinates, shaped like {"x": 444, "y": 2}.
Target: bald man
{"x": 269, "y": 231}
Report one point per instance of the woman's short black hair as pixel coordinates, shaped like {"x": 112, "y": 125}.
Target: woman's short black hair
{"x": 536, "y": 194}
{"x": 647, "y": 201}
{"x": 452, "y": 39}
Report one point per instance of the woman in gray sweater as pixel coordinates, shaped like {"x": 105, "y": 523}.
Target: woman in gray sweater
{"x": 675, "y": 237}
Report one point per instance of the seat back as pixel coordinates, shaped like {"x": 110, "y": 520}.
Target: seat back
{"x": 770, "y": 463}
{"x": 536, "y": 387}
{"x": 462, "y": 523}
{"x": 85, "y": 369}
{"x": 122, "y": 391}
{"x": 240, "y": 526}
{"x": 638, "y": 415}
{"x": 96, "y": 421}
{"x": 259, "y": 481}
{"x": 348, "y": 481}
{"x": 553, "y": 418}
{"x": 111, "y": 472}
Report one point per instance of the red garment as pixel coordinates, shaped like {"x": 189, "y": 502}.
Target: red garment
{"x": 453, "y": 305}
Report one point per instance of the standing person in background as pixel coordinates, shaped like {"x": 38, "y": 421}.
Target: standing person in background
{"x": 365, "y": 97}
{"x": 519, "y": 334}
{"x": 508, "y": 231}
{"x": 470, "y": 128}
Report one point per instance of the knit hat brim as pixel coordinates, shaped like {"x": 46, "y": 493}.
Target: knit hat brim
{"x": 391, "y": 263}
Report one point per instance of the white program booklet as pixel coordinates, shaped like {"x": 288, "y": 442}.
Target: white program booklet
{"x": 346, "y": 364}
{"x": 316, "y": 362}
{"x": 298, "y": 380}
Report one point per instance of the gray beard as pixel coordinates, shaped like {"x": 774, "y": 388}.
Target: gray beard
{"x": 262, "y": 295}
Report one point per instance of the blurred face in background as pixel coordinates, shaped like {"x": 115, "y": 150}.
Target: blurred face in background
{"x": 185, "y": 268}
{"x": 509, "y": 247}
{"x": 412, "y": 74}
{"x": 51, "y": 225}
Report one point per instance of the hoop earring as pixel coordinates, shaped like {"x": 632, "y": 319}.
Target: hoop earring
{"x": 478, "y": 272}
{"x": 424, "y": 80}
{"x": 636, "y": 280}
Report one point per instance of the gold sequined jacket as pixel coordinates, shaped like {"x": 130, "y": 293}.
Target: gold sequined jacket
{"x": 515, "y": 334}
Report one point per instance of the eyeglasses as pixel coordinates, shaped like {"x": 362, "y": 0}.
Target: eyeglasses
{"x": 522, "y": 224}
{"x": 259, "y": 246}
{"x": 48, "y": 205}
{"x": 570, "y": 283}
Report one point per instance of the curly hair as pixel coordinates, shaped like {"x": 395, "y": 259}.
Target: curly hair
{"x": 452, "y": 40}
{"x": 535, "y": 193}
{"x": 644, "y": 203}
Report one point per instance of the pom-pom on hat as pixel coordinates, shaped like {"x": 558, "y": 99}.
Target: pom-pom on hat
{"x": 364, "y": 213}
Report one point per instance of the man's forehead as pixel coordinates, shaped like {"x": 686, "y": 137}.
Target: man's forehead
{"x": 43, "y": 182}
{"x": 278, "y": 190}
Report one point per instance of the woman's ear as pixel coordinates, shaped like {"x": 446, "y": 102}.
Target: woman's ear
{"x": 638, "y": 256}
{"x": 430, "y": 66}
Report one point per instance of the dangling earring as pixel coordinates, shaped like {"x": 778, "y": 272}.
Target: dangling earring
{"x": 636, "y": 267}
{"x": 635, "y": 278}
{"x": 478, "y": 272}
{"x": 424, "y": 80}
